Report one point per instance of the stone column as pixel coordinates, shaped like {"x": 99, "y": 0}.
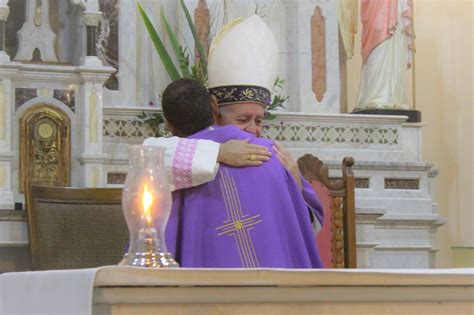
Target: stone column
{"x": 91, "y": 22}
{"x": 4, "y": 11}
{"x": 7, "y": 155}
{"x": 91, "y": 116}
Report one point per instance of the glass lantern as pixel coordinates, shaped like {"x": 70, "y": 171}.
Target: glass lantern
{"x": 146, "y": 203}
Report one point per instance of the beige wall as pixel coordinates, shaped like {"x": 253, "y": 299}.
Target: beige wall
{"x": 444, "y": 83}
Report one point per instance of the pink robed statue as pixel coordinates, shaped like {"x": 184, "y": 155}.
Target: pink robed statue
{"x": 386, "y": 53}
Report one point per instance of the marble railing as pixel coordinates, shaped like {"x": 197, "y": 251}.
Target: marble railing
{"x": 301, "y": 132}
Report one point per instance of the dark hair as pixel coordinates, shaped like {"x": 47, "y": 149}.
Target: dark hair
{"x": 187, "y": 106}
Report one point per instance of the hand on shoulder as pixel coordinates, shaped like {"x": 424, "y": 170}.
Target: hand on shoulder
{"x": 242, "y": 153}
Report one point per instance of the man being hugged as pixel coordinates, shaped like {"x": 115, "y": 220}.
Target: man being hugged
{"x": 247, "y": 217}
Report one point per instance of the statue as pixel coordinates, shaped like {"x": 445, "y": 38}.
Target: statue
{"x": 387, "y": 44}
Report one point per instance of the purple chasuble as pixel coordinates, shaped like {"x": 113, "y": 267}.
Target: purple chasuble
{"x": 247, "y": 217}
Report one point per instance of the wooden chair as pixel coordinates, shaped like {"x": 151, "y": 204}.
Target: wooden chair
{"x": 336, "y": 240}
{"x": 75, "y": 227}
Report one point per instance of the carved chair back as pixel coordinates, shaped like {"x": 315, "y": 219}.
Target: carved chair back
{"x": 337, "y": 239}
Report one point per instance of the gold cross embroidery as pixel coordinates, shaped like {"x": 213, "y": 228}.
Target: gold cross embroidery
{"x": 238, "y": 224}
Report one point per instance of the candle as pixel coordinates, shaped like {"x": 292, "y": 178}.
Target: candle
{"x": 147, "y": 201}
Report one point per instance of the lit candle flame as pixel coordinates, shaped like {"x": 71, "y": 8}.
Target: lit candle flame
{"x": 147, "y": 202}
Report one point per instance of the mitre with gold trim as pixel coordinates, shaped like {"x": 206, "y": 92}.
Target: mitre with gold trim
{"x": 243, "y": 62}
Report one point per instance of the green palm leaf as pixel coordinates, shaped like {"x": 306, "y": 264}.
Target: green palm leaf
{"x": 200, "y": 47}
{"x": 178, "y": 50}
{"x": 159, "y": 46}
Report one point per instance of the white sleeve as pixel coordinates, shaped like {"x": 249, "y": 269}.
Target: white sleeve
{"x": 188, "y": 162}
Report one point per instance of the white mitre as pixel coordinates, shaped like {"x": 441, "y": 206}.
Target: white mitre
{"x": 243, "y": 62}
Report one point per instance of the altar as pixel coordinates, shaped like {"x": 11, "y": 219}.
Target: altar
{"x": 128, "y": 290}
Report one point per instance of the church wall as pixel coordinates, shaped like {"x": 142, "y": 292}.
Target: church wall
{"x": 444, "y": 84}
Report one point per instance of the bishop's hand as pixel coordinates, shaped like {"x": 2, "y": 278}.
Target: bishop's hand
{"x": 289, "y": 162}
{"x": 241, "y": 153}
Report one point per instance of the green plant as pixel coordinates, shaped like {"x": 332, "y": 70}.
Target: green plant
{"x": 196, "y": 71}
{"x": 278, "y": 100}
{"x": 153, "y": 119}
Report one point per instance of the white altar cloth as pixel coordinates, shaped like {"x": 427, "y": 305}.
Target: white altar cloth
{"x": 47, "y": 292}
{"x": 72, "y": 291}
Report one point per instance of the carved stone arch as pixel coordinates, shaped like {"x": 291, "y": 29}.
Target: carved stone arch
{"x": 45, "y": 146}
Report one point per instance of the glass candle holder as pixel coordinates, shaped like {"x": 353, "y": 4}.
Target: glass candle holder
{"x": 146, "y": 203}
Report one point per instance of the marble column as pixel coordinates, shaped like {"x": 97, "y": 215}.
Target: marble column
{"x": 91, "y": 115}
{"x": 7, "y": 155}
{"x": 91, "y": 22}
{"x": 4, "y": 11}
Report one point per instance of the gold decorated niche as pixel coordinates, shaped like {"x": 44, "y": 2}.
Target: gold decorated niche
{"x": 45, "y": 146}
